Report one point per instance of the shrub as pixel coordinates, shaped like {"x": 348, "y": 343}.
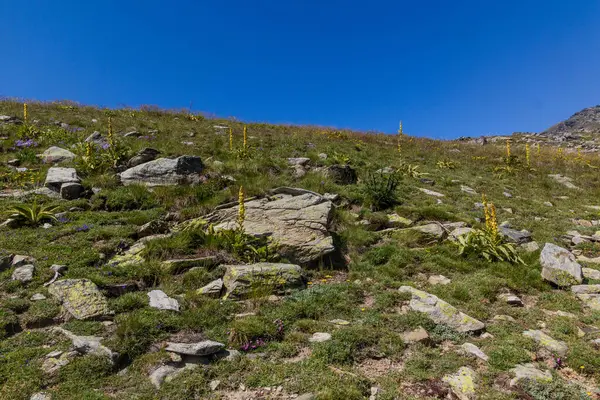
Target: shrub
{"x": 40, "y": 313}
{"x": 129, "y": 302}
{"x": 380, "y": 190}
{"x": 555, "y": 390}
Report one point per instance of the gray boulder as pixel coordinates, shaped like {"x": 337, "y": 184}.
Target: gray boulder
{"x": 57, "y": 176}
{"x": 153, "y": 228}
{"x": 559, "y": 266}
{"x": 96, "y": 138}
{"x": 160, "y": 300}
{"x": 23, "y": 273}
{"x": 71, "y": 191}
{"x": 203, "y": 348}
{"x": 555, "y": 346}
{"x": 515, "y": 236}
{"x": 298, "y": 224}
{"x": 527, "y": 372}
{"x": 56, "y": 154}
{"x": 213, "y": 289}
{"x": 89, "y": 345}
{"x": 440, "y": 311}
{"x": 165, "y": 172}
{"x": 264, "y": 278}
{"x": 143, "y": 156}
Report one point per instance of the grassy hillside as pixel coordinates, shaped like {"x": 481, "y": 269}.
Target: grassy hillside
{"x": 368, "y": 354}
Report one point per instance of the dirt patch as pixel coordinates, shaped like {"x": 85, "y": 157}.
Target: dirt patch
{"x": 372, "y": 368}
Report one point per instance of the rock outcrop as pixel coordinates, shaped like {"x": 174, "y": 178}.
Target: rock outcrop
{"x": 165, "y": 172}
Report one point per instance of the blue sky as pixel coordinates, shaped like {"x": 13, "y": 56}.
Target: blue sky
{"x": 445, "y": 68}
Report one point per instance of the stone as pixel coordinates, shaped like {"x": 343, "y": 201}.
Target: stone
{"x": 57, "y": 176}
{"x": 590, "y": 273}
{"x": 563, "y": 180}
{"x": 342, "y": 174}
{"x": 396, "y": 221}
{"x": 89, "y": 345}
{"x": 548, "y": 204}
{"x": 438, "y": 280}
{"x": 96, "y": 138}
{"x": 555, "y": 346}
{"x": 5, "y": 261}
{"x": 56, "y": 154}
{"x": 133, "y": 255}
{"x": 470, "y": 348}
{"x": 585, "y": 289}
{"x": 340, "y": 322}
{"x": 165, "y": 172}
{"x": 37, "y": 297}
{"x": 511, "y": 299}
{"x": 504, "y": 318}
{"x": 591, "y": 301}
{"x": 145, "y": 155}
{"x": 203, "y": 348}
{"x": 159, "y": 299}
{"x": 530, "y": 247}
{"x": 152, "y": 228}
{"x": 297, "y": 223}
{"x": 320, "y": 337}
{"x": 323, "y": 156}
{"x": 180, "y": 265}
{"x": 468, "y": 190}
{"x": 432, "y": 229}
{"x": 213, "y": 289}
{"x": 456, "y": 233}
{"x": 507, "y": 194}
{"x": 241, "y": 280}
{"x": 71, "y": 190}
{"x": 525, "y": 372}
{"x": 462, "y": 383}
{"x": 560, "y": 313}
{"x": 299, "y": 171}
{"x": 431, "y": 192}
{"x": 440, "y": 311}
{"x": 40, "y": 396}
{"x": 159, "y": 375}
{"x": 595, "y": 260}
{"x": 23, "y": 273}
{"x": 559, "y": 266}
{"x": 415, "y": 336}
{"x": 214, "y": 384}
{"x": 514, "y": 236}
{"x": 302, "y": 161}
{"x": 80, "y": 297}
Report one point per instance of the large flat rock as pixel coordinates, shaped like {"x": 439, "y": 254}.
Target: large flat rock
{"x": 80, "y": 297}
{"x": 262, "y": 278}
{"x": 559, "y": 266}
{"x": 298, "y": 224}
{"x": 440, "y": 311}
{"x": 165, "y": 172}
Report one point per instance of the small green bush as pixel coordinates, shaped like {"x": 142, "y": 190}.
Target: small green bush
{"x": 129, "y": 302}
{"x": 132, "y": 197}
{"x": 380, "y": 190}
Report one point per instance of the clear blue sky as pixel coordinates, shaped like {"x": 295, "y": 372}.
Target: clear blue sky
{"x": 446, "y": 68}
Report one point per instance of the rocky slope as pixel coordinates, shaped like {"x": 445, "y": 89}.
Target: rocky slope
{"x": 189, "y": 258}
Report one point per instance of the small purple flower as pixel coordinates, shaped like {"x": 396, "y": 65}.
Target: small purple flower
{"x": 83, "y": 228}
{"x": 105, "y": 146}
{"x": 26, "y": 143}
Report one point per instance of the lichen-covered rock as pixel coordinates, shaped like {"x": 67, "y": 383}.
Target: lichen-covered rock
{"x": 297, "y": 224}
{"x": 263, "y": 278}
{"x": 143, "y": 156}
{"x": 524, "y": 372}
{"x": 153, "y": 228}
{"x": 514, "y": 236}
{"x": 590, "y": 273}
{"x": 462, "y": 383}
{"x": 133, "y": 255}
{"x": 440, "y": 311}
{"x": 80, "y": 297}
{"x": 555, "y": 346}
{"x": 165, "y": 172}
{"x": 560, "y": 266}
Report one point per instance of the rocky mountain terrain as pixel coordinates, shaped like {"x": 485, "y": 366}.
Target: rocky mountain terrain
{"x": 155, "y": 254}
{"x": 580, "y": 132}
